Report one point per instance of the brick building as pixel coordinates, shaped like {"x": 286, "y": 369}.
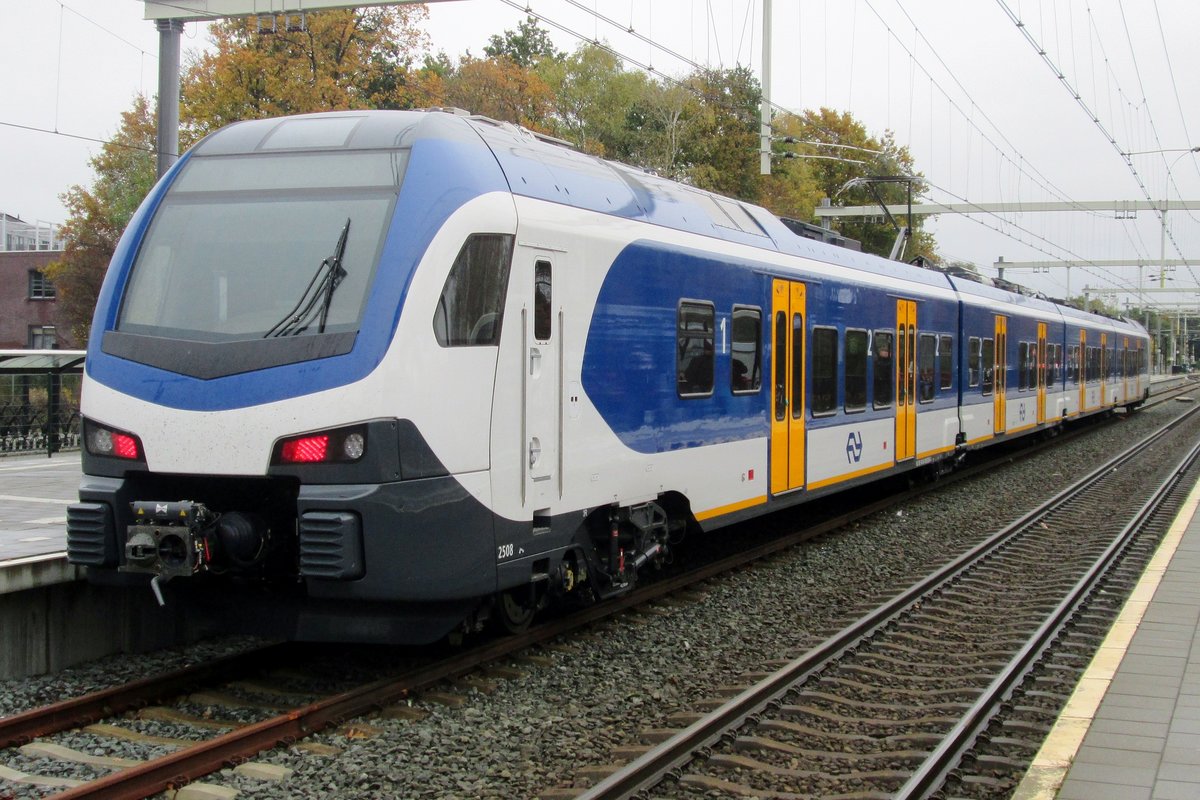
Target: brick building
{"x": 29, "y": 315}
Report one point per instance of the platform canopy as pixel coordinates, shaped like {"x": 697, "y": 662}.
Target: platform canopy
{"x": 40, "y": 362}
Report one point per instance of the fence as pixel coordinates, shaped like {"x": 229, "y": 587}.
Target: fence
{"x": 39, "y": 400}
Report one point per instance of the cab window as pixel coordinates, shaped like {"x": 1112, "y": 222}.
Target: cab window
{"x": 468, "y": 312}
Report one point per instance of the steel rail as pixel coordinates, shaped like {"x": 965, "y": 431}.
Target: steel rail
{"x": 946, "y": 757}
{"x": 205, "y": 757}
{"x": 650, "y": 768}
{"x": 77, "y": 711}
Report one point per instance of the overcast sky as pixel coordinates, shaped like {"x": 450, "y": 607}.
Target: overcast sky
{"x": 985, "y": 116}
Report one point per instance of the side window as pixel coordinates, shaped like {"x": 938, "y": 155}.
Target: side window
{"x": 973, "y": 358}
{"x": 469, "y": 310}
{"x": 797, "y": 366}
{"x": 988, "y": 355}
{"x": 543, "y": 307}
{"x": 1022, "y": 365}
{"x": 824, "y": 370}
{"x": 946, "y": 362}
{"x": 926, "y": 354}
{"x": 883, "y": 369}
{"x": 694, "y": 349}
{"x": 1031, "y": 366}
{"x": 747, "y": 350}
{"x": 780, "y": 368}
{"x": 856, "y": 371}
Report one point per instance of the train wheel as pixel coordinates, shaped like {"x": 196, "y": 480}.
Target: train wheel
{"x": 514, "y": 610}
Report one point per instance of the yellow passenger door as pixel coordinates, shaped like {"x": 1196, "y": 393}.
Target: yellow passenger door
{"x": 1041, "y": 374}
{"x": 906, "y": 379}
{"x": 1000, "y": 371}
{"x": 787, "y": 380}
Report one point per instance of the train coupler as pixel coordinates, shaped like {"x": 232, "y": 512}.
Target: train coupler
{"x": 182, "y": 538}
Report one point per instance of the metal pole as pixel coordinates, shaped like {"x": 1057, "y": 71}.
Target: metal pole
{"x": 169, "y": 31}
{"x": 764, "y": 152}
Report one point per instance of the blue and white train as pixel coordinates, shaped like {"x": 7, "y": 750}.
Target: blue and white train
{"x": 386, "y": 375}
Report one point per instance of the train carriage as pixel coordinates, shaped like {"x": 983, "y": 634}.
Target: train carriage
{"x": 385, "y": 375}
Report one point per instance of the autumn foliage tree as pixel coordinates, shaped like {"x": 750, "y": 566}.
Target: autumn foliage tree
{"x": 343, "y": 59}
{"x": 497, "y": 87}
{"x": 847, "y": 151}
{"x": 701, "y": 128}
{"x": 125, "y": 172}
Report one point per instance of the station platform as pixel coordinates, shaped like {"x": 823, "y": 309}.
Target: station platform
{"x": 1131, "y": 730}
{"x": 34, "y": 494}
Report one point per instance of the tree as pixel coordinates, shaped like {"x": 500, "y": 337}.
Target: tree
{"x": 593, "y": 94}
{"x": 498, "y": 88}
{"x": 340, "y": 60}
{"x": 720, "y": 146}
{"x": 836, "y": 166}
{"x": 125, "y": 171}
{"x": 527, "y": 47}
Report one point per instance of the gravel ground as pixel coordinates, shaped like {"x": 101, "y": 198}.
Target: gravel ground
{"x": 604, "y": 687}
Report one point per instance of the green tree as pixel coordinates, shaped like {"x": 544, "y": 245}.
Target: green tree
{"x": 125, "y": 171}
{"x": 527, "y": 47}
{"x": 832, "y": 168}
{"x": 719, "y": 149}
{"x": 593, "y": 94}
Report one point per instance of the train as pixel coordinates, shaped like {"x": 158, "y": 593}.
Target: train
{"x": 393, "y": 376}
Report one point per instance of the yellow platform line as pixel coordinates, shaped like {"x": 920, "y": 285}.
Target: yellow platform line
{"x": 1050, "y": 766}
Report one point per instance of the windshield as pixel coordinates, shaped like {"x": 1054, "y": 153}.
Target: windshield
{"x": 238, "y": 239}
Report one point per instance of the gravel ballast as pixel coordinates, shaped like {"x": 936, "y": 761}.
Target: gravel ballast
{"x": 603, "y": 688}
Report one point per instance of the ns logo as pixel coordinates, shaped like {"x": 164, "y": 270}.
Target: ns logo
{"x": 854, "y": 447}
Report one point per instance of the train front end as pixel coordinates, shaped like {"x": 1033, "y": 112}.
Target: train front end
{"x": 249, "y": 405}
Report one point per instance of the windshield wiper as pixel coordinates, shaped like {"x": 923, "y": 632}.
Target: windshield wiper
{"x": 318, "y": 295}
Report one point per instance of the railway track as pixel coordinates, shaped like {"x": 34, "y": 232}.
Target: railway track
{"x": 893, "y": 704}
{"x": 194, "y": 761}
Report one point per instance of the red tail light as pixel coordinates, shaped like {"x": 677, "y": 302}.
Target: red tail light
{"x": 104, "y": 441}
{"x": 124, "y": 446}
{"x": 334, "y": 446}
{"x": 305, "y": 450}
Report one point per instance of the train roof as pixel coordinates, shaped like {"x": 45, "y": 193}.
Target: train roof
{"x": 542, "y": 168}
{"x": 546, "y": 170}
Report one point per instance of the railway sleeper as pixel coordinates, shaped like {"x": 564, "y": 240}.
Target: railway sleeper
{"x": 934, "y": 722}
{"x": 950, "y": 670}
{"x": 752, "y": 764}
{"x": 914, "y": 757}
{"x": 708, "y": 783}
{"x": 974, "y": 679}
{"x": 795, "y": 729}
{"x": 812, "y": 694}
{"x": 964, "y": 692}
